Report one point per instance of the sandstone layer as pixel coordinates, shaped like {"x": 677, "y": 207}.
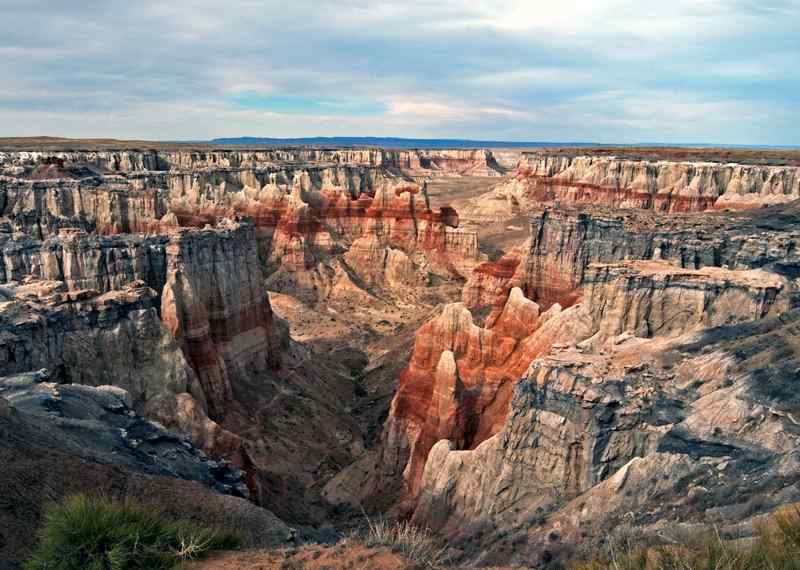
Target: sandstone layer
{"x": 664, "y": 185}
{"x": 564, "y": 242}
{"x": 696, "y": 430}
{"x": 417, "y": 163}
{"x": 306, "y": 214}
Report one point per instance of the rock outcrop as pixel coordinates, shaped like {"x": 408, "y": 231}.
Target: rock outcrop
{"x": 119, "y": 332}
{"x": 84, "y": 261}
{"x": 58, "y": 440}
{"x": 194, "y": 298}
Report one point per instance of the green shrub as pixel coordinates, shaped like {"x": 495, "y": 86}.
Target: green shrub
{"x": 89, "y": 533}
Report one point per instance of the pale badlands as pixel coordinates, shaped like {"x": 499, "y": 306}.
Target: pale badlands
{"x": 519, "y": 351}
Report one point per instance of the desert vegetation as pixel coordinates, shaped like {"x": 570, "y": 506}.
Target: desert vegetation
{"x": 775, "y": 547}
{"x": 418, "y": 544}
{"x": 95, "y": 533}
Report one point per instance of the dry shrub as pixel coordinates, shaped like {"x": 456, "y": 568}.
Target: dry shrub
{"x": 416, "y": 543}
{"x": 777, "y": 547}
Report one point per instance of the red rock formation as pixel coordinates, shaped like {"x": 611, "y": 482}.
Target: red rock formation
{"x": 304, "y": 215}
{"x": 213, "y": 348}
{"x": 460, "y": 378}
{"x": 491, "y": 281}
{"x": 634, "y": 298}
{"x": 624, "y": 424}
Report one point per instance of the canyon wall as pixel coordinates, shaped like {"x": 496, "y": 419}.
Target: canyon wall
{"x": 666, "y": 379}
{"x": 622, "y": 183}
{"x": 552, "y": 265}
{"x": 460, "y": 379}
{"x": 155, "y": 266}
{"x": 682, "y": 429}
{"x": 216, "y": 306}
{"x": 305, "y": 215}
{"x": 183, "y": 322}
{"x": 415, "y": 163}
{"x": 175, "y": 320}
{"x": 631, "y": 347}
{"x": 613, "y": 349}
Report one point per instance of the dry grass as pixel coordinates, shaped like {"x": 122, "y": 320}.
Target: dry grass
{"x": 777, "y": 547}
{"x": 415, "y": 543}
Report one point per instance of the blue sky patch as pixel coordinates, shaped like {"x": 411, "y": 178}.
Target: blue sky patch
{"x": 301, "y": 105}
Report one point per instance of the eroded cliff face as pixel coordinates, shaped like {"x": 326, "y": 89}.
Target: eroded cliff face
{"x": 417, "y": 163}
{"x": 84, "y": 261}
{"x": 119, "y": 332}
{"x": 183, "y": 322}
{"x": 459, "y": 381}
{"x": 156, "y": 266}
{"x": 395, "y": 230}
{"x": 661, "y": 387}
{"x": 591, "y": 355}
{"x": 552, "y": 265}
{"x": 612, "y": 360}
{"x": 622, "y": 183}
{"x": 468, "y": 404}
{"x": 216, "y": 306}
{"x": 306, "y": 215}
{"x": 174, "y": 320}
{"x": 648, "y": 432}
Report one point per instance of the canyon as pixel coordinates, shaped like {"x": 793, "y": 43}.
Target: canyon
{"x": 516, "y": 357}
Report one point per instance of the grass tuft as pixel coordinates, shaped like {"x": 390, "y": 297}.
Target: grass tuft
{"x": 91, "y": 533}
{"x": 777, "y": 547}
{"x": 416, "y": 543}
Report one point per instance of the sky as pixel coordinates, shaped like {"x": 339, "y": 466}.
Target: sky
{"x": 607, "y": 71}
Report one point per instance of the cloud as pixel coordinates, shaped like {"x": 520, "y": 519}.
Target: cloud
{"x": 608, "y": 70}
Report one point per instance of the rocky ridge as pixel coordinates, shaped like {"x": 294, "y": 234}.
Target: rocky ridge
{"x": 419, "y": 163}
{"x": 58, "y": 440}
